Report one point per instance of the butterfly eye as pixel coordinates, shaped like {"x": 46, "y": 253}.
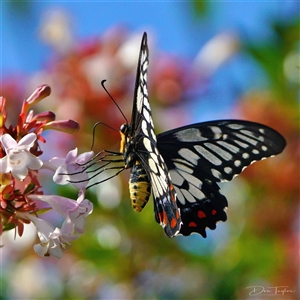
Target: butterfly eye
{"x": 124, "y": 128}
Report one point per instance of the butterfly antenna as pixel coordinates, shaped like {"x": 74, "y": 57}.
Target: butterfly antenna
{"x": 102, "y": 83}
{"x": 94, "y": 131}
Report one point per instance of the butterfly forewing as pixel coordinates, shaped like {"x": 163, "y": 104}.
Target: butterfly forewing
{"x": 200, "y": 155}
{"x": 140, "y": 148}
{"x": 140, "y": 99}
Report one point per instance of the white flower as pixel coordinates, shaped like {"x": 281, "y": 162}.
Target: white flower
{"x": 18, "y": 158}
{"x": 71, "y": 169}
{"x": 54, "y": 240}
{"x": 50, "y": 242}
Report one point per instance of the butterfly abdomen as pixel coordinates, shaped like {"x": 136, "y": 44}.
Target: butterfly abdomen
{"x": 139, "y": 187}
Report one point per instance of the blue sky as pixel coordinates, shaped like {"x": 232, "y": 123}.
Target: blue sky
{"x": 175, "y": 25}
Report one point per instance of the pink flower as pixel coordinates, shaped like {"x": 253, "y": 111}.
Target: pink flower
{"x": 20, "y": 188}
{"x": 71, "y": 169}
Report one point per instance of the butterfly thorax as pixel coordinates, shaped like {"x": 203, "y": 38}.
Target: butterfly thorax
{"x": 127, "y": 146}
{"x": 124, "y": 134}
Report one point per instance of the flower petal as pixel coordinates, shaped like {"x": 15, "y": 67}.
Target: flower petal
{"x": 50, "y": 245}
{"x": 21, "y": 161}
{"x": 58, "y": 203}
{"x": 84, "y": 157}
{"x": 56, "y": 162}
{"x": 72, "y": 169}
{"x": 4, "y": 165}
{"x": 8, "y": 142}
{"x": 27, "y": 140}
{"x": 71, "y": 157}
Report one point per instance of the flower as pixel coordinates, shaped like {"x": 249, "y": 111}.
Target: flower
{"x": 71, "y": 169}
{"x": 54, "y": 240}
{"x": 19, "y": 159}
{"x": 49, "y": 237}
{"x": 21, "y": 198}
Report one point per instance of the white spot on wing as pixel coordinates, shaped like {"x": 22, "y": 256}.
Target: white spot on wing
{"x": 155, "y": 181}
{"x": 145, "y": 127}
{"x": 191, "y": 179}
{"x": 154, "y": 157}
{"x": 146, "y": 102}
{"x": 253, "y": 135}
{"x": 183, "y": 167}
{"x": 247, "y": 139}
{"x": 190, "y": 135}
{"x": 147, "y": 144}
{"x": 176, "y": 178}
{"x": 228, "y": 170}
{"x": 241, "y": 144}
{"x": 196, "y": 192}
{"x": 228, "y": 146}
{"x": 235, "y": 126}
{"x": 216, "y": 173}
{"x": 183, "y": 161}
{"x": 180, "y": 197}
{"x": 237, "y": 163}
{"x": 208, "y": 155}
{"x": 217, "y": 131}
{"x": 153, "y": 134}
{"x": 189, "y": 155}
{"x": 152, "y": 165}
{"x": 264, "y": 148}
{"x": 224, "y": 154}
{"x": 246, "y": 155}
{"x": 146, "y": 115}
{"x": 139, "y": 101}
{"x": 188, "y": 196}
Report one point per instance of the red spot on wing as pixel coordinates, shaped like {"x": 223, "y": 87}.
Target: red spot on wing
{"x": 173, "y": 223}
{"x": 213, "y": 212}
{"x": 172, "y": 192}
{"x": 192, "y": 224}
{"x": 201, "y": 214}
{"x": 163, "y": 218}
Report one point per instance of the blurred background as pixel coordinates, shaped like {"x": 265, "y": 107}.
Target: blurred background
{"x": 208, "y": 60}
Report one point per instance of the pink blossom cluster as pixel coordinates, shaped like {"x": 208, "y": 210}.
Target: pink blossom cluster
{"x": 22, "y": 200}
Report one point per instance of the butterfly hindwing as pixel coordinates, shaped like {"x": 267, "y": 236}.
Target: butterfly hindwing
{"x": 166, "y": 210}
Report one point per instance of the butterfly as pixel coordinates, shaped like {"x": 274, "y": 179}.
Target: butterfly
{"x": 182, "y": 167}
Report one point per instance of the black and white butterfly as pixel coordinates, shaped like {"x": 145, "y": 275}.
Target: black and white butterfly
{"x": 183, "y": 166}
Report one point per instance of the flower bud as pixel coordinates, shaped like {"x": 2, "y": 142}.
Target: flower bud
{"x": 68, "y": 126}
{"x": 47, "y": 116}
{"x": 3, "y": 113}
{"x": 39, "y": 94}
